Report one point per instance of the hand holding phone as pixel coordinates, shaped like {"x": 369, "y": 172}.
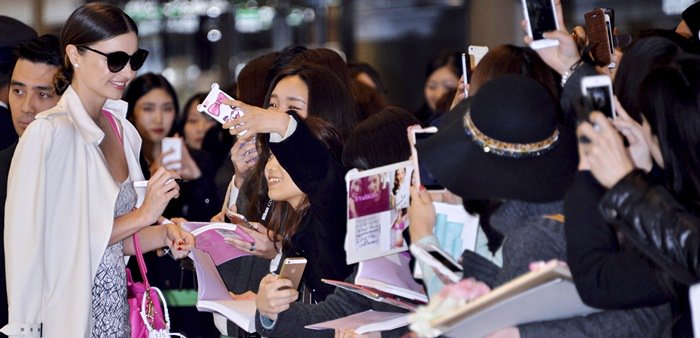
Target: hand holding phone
{"x": 424, "y": 177}
{"x": 172, "y": 148}
{"x": 293, "y": 269}
{"x": 597, "y": 95}
{"x": 541, "y": 17}
{"x": 213, "y": 105}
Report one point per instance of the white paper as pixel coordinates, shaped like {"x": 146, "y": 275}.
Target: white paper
{"x": 365, "y": 322}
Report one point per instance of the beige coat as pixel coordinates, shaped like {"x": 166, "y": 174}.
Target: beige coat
{"x": 59, "y": 216}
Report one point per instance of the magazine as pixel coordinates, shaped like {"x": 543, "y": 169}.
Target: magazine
{"x": 377, "y": 207}
{"x": 541, "y": 295}
{"x": 365, "y": 322}
{"x": 210, "y": 238}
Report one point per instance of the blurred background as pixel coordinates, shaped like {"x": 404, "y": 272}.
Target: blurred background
{"x": 197, "y": 42}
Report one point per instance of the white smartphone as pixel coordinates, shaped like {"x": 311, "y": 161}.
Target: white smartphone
{"x": 611, "y": 41}
{"x": 293, "y": 269}
{"x": 466, "y": 74}
{"x": 541, "y": 17}
{"x": 476, "y": 53}
{"x": 174, "y": 144}
{"x": 438, "y": 260}
{"x": 598, "y": 95}
{"x": 424, "y": 176}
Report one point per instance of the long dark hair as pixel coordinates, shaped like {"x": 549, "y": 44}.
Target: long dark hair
{"x": 643, "y": 56}
{"x": 90, "y": 23}
{"x": 284, "y": 219}
{"x": 671, "y": 96}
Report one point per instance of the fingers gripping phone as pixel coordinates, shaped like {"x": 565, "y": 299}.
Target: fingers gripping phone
{"x": 541, "y": 17}
{"x": 598, "y": 95}
{"x": 600, "y": 35}
{"x": 424, "y": 177}
{"x": 293, "y": 269}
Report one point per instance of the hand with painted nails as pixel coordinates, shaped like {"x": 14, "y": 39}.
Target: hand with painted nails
{"x": 244, "y": 156}
{"x": 179, "y": 241}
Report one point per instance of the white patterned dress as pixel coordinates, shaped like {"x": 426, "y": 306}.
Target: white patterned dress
{"x": 110, "y": 311}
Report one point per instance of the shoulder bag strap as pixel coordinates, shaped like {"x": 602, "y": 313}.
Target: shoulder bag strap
{"x": 139, "y": 259}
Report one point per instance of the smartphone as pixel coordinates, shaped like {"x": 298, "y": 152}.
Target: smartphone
{"x": 598, "y": 95}
{"x": 599, "y": 29}
{"x": 476, "y": 53}
{"x": 174, "y": 144}
{"x": 213, "y": 105}
{"x": 293, "y": 269}
{"x": 466, "y": 74}
{"x": 438, "y": 260}
{"x": 424, "y": 177}
{"x": 239, "y": 220}
{"x": 541, "y": 17}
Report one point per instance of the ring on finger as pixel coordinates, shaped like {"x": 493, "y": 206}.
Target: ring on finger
{"x": 252, "y": 247}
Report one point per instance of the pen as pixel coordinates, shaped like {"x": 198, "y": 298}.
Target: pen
{"x": 144, "y": 184}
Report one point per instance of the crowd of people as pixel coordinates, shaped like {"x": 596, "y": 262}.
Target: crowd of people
{"x": 613, "y": 199}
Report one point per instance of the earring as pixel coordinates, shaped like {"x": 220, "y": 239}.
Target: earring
{"x": 75, "y": 65}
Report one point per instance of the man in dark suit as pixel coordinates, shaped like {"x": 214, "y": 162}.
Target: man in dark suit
{"x": 12, "y": 32}
{"x": 31, "y": 91}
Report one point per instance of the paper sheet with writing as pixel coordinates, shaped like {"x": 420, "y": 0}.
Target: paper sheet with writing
{"x": 377, "y": 211}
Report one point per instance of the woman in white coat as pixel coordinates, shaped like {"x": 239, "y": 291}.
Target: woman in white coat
{"x": 71, "y": 200}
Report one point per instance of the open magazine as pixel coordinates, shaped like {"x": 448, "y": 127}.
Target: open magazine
{"x": 377, "y": 211}
{"x": 210, "y": 238}
{"x": 545, "y": 294}
{"x": 365, "y": 322}
{"x": 386, "y": 279}
{"x": 211, "y": 250}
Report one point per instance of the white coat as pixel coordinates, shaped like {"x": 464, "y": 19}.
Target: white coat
{"x": 59, "y": 216}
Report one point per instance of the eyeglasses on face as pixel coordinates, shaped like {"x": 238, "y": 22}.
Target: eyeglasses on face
{"x": 116, "y": 61}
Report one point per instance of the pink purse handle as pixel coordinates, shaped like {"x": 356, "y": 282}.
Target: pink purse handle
{"x": 139, "y": 259}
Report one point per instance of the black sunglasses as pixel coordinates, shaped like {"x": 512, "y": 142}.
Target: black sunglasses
{"x": 116, "y": 61}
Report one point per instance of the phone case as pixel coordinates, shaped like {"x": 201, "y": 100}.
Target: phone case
{"x": 293, "y": 269}
{"x": 174, "y": 143}
{"x": 213, "y": 105}
{"x": 598, "y": 37}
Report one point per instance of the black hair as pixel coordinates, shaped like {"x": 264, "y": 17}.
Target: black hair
{"x": 671, "y": 95}
{"x": 379, "y": 140}
{"x": 45, "y": 49}
{"x": 451, "y": 60}
{"x": 357, "y": 68}
{"x": 143, "y": 84}
{"x": 181, "y": 119}
{"x": 642, "y": 57}
{"x": 90, "y": 23}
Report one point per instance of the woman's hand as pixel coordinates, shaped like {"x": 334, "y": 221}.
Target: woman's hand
{"x": 460, "y": 94}
{"x": 178, "y": 240}
{"x": 244, "y": 155}
{"x": 421, "y": 213}
{"x": 160, "y": 190}
{"x": 256, "y": 120}
{"x": 274, "y": 296}
{"x": 262, "y": 247}
{"x": 638, "y": 148}
{"x": 603, "y": 149}
{"x": 562, "y": 57}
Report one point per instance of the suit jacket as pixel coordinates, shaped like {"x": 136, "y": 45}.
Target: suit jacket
{"x": 5, "y": 159}
{"x": 8, "y": 136}
{"x": 60, "y": 213}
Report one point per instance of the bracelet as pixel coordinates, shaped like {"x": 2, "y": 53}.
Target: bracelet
{"x": 567, "y": 74}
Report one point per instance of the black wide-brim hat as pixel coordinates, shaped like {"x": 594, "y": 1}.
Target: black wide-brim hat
{"x": 507, "y": 113}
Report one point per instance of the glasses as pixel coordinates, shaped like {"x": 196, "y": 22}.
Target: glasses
{"x": 116, "y": 61}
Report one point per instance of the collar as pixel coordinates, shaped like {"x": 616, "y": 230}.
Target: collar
{"x": 4, "y": 105}
{"x": 84, "y": 124}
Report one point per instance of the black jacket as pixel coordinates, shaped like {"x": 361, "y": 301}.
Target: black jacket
{"x": 321, "y": 235}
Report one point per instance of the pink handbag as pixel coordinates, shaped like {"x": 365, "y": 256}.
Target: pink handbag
{"x": 147, "y": 316}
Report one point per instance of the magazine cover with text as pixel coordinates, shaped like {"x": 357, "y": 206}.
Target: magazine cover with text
{"x": 377, "y": 207}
